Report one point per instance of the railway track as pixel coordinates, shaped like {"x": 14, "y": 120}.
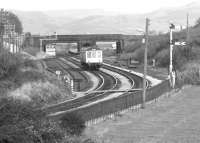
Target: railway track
{"x": 133, "y": 79}
{"x": 75, "y": 73}
{"x": 108, "y": 81}
{"x": 91, "y": 97}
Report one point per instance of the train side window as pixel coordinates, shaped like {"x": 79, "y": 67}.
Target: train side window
{"x": 93, "y": 54}
{"x": 99, "y": 54}
{"x": 89, "y": 54}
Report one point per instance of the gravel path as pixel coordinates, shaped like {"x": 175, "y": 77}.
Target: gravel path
{"x": 171, "y": 120}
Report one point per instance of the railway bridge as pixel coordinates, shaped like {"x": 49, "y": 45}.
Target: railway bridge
{"x": 81, "y": 40}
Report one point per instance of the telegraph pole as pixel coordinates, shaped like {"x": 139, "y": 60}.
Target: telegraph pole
{"x": 145, "y": 61}
{"x": 188, "y": 39}
{"x": 1, "y": 28}
{"x": 170, "y": 54}
{"x": 188, "y": 36}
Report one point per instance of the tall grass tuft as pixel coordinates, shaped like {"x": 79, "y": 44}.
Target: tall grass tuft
{"x": 190, "y": 74}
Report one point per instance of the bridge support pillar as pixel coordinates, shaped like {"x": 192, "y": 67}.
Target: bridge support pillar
{"x": 119, "y": 46}
{"x": 93, "y": 43}
{"x": 44, "y": 48}
{"x": 79, "y": 45}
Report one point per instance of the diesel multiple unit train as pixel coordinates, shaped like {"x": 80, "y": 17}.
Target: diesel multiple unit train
{"x": 91, "y": 58}
{"x": 50, "y": 50}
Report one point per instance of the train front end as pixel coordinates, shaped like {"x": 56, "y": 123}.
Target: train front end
{"x": 92, "y": 58}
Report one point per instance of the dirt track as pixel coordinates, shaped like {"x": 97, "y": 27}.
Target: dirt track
{"x": 171, "y": 120}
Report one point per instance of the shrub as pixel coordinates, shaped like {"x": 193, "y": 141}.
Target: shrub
{"x": 21, "y": 123}
{"x": 179, "y": 58}
{"x": 73, "y": 124}
{"x": 30, "y": 64}
{"x": 139, "y": 54}
{"x": 109, "y": 52}
{"x": 190, "y": 74}
{"x": 9, "y": 64}
{"x": 131, "y": 46}
{"x": 28, "y": 76}
{"x": 39, "y": 93}
{"x": 126, "y": 56}
{"x": 32, "y": 50}
{"x": 162, "y": 58}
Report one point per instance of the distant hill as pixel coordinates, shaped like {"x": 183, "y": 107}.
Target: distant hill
{"x": 100, "y": 21}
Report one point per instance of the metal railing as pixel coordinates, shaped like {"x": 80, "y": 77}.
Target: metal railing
{"x": 115, "y": 105}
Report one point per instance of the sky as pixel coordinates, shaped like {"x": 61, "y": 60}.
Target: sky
{"x": 123, "y": 6}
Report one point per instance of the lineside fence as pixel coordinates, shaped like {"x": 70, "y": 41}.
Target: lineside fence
{"x": 109, "y": 108}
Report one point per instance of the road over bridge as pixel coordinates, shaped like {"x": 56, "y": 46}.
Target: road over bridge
{"x": 81, "y": 40}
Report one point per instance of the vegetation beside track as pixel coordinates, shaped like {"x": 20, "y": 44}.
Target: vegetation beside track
{"x": 24, "y": 89}
{"x": 185, "y": 58}
{"x": 25, "y": 79}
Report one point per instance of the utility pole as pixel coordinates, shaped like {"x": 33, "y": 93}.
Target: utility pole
{"x": 1, "y": 28}
{"x": 188, "y": 36}
{"x": 145, "y": 62}
{"x": 172, "y": 26}
{"x": 188, "y": 39}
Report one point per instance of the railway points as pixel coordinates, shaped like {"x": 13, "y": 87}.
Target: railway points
{"x": 100, "y": 94}
{"x": 124, "y": 82}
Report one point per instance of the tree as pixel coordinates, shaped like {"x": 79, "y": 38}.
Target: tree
{"x": 27, "y": 39}
{"x": 13, "y": 19}
{"x": 197, "y": 23}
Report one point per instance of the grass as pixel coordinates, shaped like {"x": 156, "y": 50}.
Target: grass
{"x": 174, "y": 119}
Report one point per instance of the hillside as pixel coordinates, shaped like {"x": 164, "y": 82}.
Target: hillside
{"x": 100, "y": 21}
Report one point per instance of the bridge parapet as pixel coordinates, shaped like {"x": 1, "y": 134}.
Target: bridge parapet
{"x": 81, "y": 39}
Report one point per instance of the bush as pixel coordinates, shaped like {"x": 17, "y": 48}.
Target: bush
{"x": 139, "y": 54}
{"x": 30, "y": 64}
{"x": 20, "y": 122}
{"x": 131, "y": 46}
{"x": 190, "y": 74}
{"x": 179, "y": 58}
{"x": 39, "y": 93}
{"x": 162, "y": 58}
{"x": 9, "y": 64}
{"x": 73, "y": 124}
{"x": 32, "y": 50}
{"x": 109, "y": 52}
{"x": 28, "y": 76}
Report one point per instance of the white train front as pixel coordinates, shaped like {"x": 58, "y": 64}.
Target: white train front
{"x": 91, "y": 58}
{"x": 50, "y": 50}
